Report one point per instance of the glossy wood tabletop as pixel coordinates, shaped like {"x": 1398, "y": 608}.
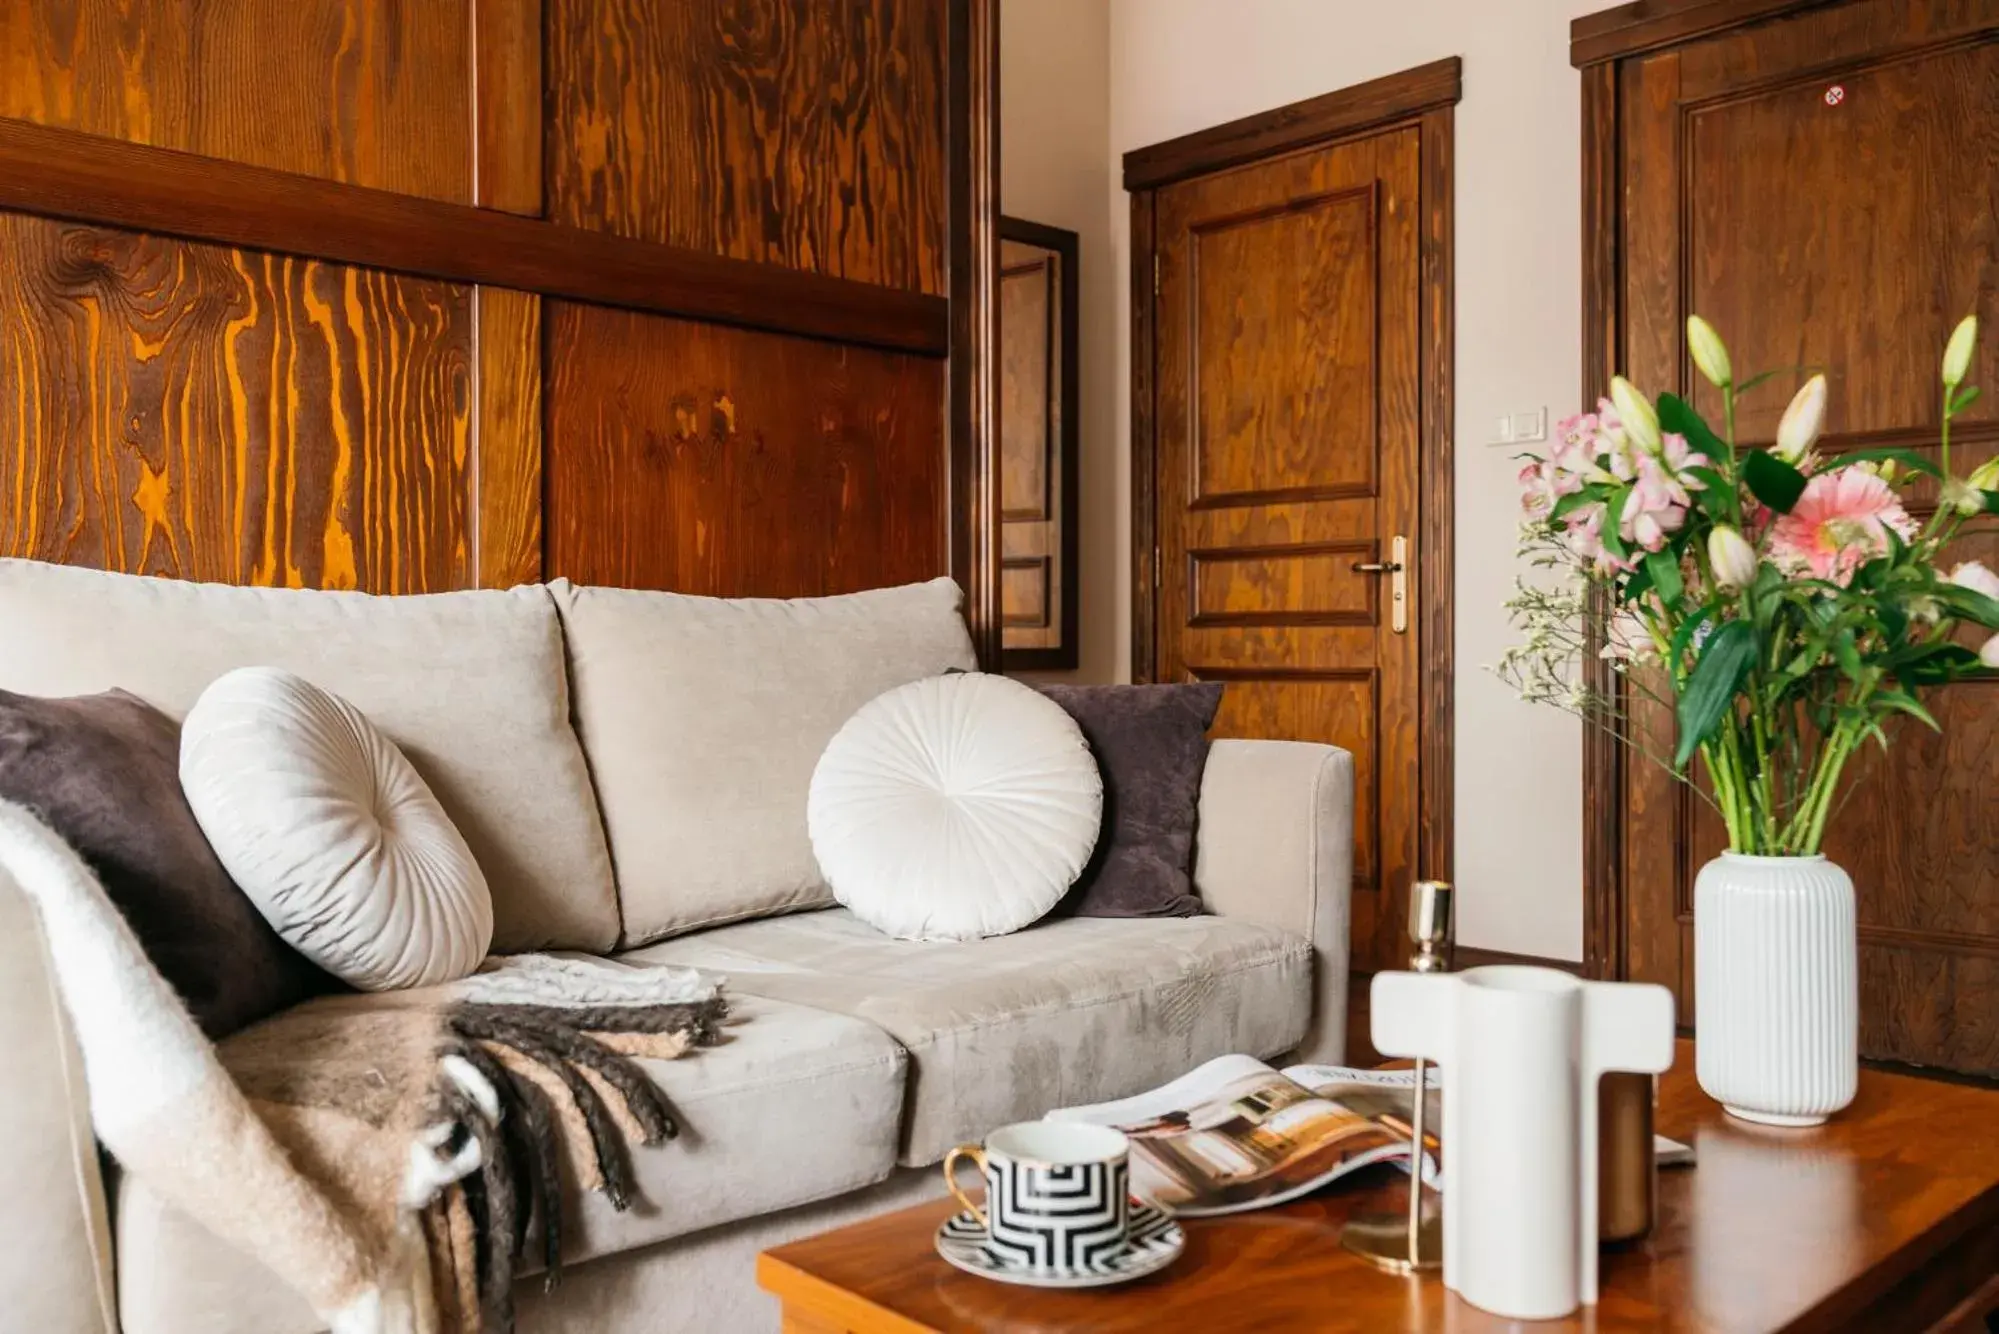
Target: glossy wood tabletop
{"x": 1885, "y": 1219}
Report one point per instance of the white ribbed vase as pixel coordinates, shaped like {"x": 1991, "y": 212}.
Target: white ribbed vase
{"x": 1776, "y": 988}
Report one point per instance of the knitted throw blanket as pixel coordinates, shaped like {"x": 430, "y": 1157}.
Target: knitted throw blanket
{"x": 395, "y": 1157}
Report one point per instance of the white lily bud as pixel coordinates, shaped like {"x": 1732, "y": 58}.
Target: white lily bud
{"x": 1957, "y": 494}
{"x": 1977, "y": 576}
{"x": 1641, "y": 422}
{"x": 1989, "y": 654}
{"x": 1731, "y": 557}
{"x": 1709, "y": 352}
{"x": 1986, "y": 475}
{"x": 1957, "y": 352}
{"x": 1801, "y": 421}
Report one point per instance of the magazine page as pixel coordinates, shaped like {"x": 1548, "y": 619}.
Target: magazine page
{"x": 1236, "y": 1134}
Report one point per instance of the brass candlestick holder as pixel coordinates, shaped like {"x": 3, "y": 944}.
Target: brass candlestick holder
{"x": 1412, "y": 1243}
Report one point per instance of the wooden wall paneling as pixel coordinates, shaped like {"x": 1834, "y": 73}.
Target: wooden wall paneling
{"x": 507, "y": 105}
{"x": 717, "y": 461}
{"x": 507, "y": 453}
{"x": 1144, "y": 438}
{"x": 807, "y": 133}
{"x": 60, "y": 173}
{"x": 207, "y": 413}
{"x": 369, "y": 92}
{"x": 1645, "y": 25}
{"x": 972, "y": 426}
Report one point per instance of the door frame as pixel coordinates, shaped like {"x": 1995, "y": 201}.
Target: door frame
{"x": 1422, "y": 98}
{"x": 1598, "y": 43}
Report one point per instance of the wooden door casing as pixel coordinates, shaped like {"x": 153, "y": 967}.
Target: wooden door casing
{"x": 1287, "y": 389}
{"x": 1825, "y": 189}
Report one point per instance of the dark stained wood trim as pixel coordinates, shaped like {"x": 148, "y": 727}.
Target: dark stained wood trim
{"x": 1144, "y": 446}
{"x": 1068, "y": 245}
{"x": 1471, "y": 956}
{"x": 1436, "y": 542}
{"x": 1646, "y": 25}
{"x": 1340, "y": 114}
{"x": 1603, "y": 759}
{"x": 973, "y": 426}
{"x": 63, "y": 174}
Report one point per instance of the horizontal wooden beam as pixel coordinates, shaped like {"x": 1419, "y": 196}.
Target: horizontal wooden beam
{"x": 1646, "y": 25}
{"x": 84, "y": 178}
{"x": 1334, "y": 115}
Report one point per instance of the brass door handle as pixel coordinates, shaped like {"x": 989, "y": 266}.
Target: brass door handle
{"x": 1397, "y": 568}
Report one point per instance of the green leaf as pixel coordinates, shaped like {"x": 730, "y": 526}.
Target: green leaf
{"x": 1665, "y": 571}
{"x": 1991, "y": 501}
{"x": 1725, "y": 660}
{"x": 1574, "y": 501}
{"x": 1678, "y": 417}
{"x": 1613, "y": 514}
{"x": 1908, "y": 458}
{"x": 1903, "y": 702}
{"x": 1636, "y": 585}
{"x": 1964, "y": 398}
{"x": 1846, "y": 654}
{"x": 1773, "y": 481}
{"x": 1760, "y": 377}
{"x": 1938, "y": 664}
{"x": 1968, "y": 604}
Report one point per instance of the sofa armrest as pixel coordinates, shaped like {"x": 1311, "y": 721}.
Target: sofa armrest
{"x": 1275, "y": 846}
{"x": 56, "y": 1266}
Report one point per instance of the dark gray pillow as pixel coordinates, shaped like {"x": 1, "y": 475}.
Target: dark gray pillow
{"x": 103, "y": 771}
{"x": 1151, "y": 744}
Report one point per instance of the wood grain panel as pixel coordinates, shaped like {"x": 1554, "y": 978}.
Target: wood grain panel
{"x": 1025, "y": 595}
{"x": 372, "y": 92}
{"x": 708, "y": 460}
{"x": 506, "y": 40}
{"x": 1311, "y": 583}
{"x": 1780, "y": 282}
{"x": 1284, "y": 326}
{"x": 508, "y": 446}
{"x": 807, "y": 133}
{"x": 1030, "y": 392}
{"x": 212, "y": 414}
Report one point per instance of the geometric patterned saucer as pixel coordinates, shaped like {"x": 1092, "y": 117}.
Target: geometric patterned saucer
{"x": 1156, "y": 1241}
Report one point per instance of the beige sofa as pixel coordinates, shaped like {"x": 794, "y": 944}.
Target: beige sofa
{"x": 858, "y": 1060}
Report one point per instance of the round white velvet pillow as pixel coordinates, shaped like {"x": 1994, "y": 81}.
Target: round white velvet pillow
{"x": 331, "y": 832}
{"x": 955, "y": 807}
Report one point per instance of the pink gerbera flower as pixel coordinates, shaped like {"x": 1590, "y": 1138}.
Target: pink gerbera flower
{"x": 1839, "y": 523}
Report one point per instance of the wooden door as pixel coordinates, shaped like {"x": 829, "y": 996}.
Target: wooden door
{"x": 1288, "y": 428}
{"x": 1825, "y": 190}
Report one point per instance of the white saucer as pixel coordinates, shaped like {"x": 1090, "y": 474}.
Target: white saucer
{"x": 1155, "y": 1242}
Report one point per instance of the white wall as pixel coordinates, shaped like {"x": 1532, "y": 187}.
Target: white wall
{"x": 1083, "y": 81}
{"x": 1056, "y": 168}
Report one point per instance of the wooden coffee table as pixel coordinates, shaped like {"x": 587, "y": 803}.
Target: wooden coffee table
{"x": 1886, "y": 1219}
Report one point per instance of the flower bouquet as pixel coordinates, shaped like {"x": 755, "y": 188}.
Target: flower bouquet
{"x": 1785, "y": 604}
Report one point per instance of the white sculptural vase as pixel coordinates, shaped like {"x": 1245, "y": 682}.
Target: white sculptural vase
{"x": 1522, "y": 1050}
{"x": 1776, "y": 988}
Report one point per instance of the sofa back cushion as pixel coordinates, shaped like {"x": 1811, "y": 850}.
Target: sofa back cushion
{"x": 470, "y": 685}
{"x": 703, "y": 719}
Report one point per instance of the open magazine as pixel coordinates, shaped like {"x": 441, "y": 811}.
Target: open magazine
{"x": 1236, "y": 1134}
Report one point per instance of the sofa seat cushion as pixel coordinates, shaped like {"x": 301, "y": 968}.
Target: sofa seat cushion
{"x": 1072, "y": 1010}
{"x": 794, "y": 1105}
{"x": 470, "y": 685}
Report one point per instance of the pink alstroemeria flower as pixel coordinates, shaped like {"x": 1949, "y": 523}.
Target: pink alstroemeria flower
{"x": 1840, "y": 522}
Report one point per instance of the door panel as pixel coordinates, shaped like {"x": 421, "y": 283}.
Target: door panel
{"x": 1825, "y": 189}
{"x": 1287, "y": 372}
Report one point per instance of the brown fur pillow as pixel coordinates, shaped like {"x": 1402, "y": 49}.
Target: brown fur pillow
{"x": 103, "y": 771}
{"x": 1151, "y": 744}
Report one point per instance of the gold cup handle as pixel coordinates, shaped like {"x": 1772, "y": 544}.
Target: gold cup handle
{"x": 977, "y": 1155}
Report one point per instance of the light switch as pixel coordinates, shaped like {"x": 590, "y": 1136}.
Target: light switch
{"x": 1531, "y": 425}
{"x": 1502, "y": 430}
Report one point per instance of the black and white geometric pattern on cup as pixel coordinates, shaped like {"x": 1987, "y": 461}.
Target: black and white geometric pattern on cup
{"x": 1060, "y": 1218}
{"x": 1155, "y": 1237}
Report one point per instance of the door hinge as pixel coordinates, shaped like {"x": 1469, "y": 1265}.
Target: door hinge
{"x": 1155, "y": 274}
